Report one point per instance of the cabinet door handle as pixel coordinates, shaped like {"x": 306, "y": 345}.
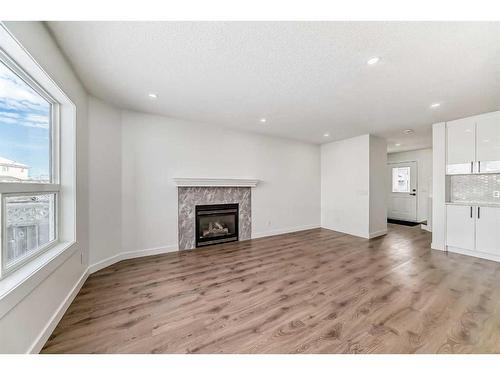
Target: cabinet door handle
{"x": 471, "y": 212}
{"x": 479, "y": 212}
{"x": 479, "y": 166}
{"x": 471, "y": 167}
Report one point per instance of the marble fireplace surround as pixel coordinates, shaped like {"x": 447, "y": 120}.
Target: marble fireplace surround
{"x": 192, "y": 192}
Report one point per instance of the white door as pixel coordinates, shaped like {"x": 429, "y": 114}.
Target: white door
{"x": 402, "y": 202}
{"x": 488, "y": 143}
{"x": 460, "y": 145}
{"x": 460, "y": 223}
{"x": 488, "y": 230}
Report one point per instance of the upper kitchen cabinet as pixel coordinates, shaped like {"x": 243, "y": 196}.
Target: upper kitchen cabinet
{"x": 461, "y": 145}
{"x": 488, "y": 142}
{"x": 473, "y": 144}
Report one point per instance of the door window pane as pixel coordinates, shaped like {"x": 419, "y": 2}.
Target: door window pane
{"x": 401, "y": 180}
{"x": 30, "y": 224}
{"x": 25, "y": 147}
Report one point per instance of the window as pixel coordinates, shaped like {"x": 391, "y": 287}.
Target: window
{"x": 29, "y": 180}
{"x": 401, "y": 180}
{"x": 30, "y": 225}
{"x": 25, "y": 130}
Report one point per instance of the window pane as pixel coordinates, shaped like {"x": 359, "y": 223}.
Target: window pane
{"x": 30, "y": 224}
{"x": 24, "y": 131}
{"x": 401, "y": 180}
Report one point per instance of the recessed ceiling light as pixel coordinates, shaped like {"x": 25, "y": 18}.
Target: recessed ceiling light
{"x": 409, "y": 131}
{"x": 397, "y": 144}
{"x": 435, "y": 105}
{"x": 373, "y": 60}
{"x": 326, "y": 135}
{"x": 152, "y": 95}
{"x": 263, "y": 120}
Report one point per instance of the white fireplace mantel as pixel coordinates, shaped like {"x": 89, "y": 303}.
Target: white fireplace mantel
{"x": 217, "y": 182}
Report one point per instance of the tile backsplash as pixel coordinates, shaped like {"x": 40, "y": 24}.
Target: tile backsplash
{"x": 475, "y": 188}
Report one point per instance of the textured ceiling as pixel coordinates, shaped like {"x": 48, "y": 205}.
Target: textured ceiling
{"x": 306, "y": 78}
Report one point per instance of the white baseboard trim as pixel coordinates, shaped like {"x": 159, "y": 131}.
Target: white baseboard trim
{"x": 54, "y": 320}
{"x": 348, "y": 233}
{"x": 379, "y": 233}
{"x": 284, "y": 230}
{"x": 437, "y": 247}
{"x": 369, "y": 236}
{"x": 425, "y": 227}
{"x": 104, "y": 263}
{"x": 474, "y": 253}
{"x": 130, "y": 255}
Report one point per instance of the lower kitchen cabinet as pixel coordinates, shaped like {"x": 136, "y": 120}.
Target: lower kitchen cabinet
{"x": 474, "y": 229}
{"x": 488, "y": 230}
{"x": 460, "y": 227}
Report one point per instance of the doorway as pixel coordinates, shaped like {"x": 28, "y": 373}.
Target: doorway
{"x": 403, "y": 182}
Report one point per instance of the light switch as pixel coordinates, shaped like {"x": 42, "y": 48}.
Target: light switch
{"x": 496, "y": 194}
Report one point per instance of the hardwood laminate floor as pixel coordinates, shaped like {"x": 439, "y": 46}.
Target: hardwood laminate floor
{"x": 314, "y": 291}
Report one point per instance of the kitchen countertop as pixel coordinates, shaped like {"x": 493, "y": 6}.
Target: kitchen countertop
{"x": 480, "y": 204}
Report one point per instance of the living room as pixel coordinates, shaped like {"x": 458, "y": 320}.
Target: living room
{"x": 249, "y": 187}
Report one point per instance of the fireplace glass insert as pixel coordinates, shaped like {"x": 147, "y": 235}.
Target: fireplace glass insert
{"x": 216, "y": 223}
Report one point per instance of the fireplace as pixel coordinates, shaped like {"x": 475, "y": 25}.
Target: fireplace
{"x": 189, "y": 197}
{"x": 216, "y": 223}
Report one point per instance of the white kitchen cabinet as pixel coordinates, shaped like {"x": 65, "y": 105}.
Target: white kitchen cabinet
{"x": 461, "y": 142}
{"x": 467, "y": 146}
{"x": 488, "y": 142}
{"x": 488, "y": 230}
{"x": 460, "y": 226}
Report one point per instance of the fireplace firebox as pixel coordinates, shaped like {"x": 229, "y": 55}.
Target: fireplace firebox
{"x": 216, "y": 223}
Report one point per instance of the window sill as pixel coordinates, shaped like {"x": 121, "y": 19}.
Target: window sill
{"x": 17, "y": 285}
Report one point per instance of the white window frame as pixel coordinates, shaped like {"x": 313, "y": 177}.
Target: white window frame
{"x": 409, "y": 180}
{"x": 5, "y": 270}
{"x": 9, "y": 189}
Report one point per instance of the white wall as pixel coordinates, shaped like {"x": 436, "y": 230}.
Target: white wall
{"x": 352, "y": 187}
{"x": 157, "y": 149}
{"x": 345, "y": 173}
{"x": 424, "y": 171}
{"x": 438, "y": 186}
{"x": 26, "y": 326}
{"x": 104, "y": 181}
{"x": 378, "y": 186}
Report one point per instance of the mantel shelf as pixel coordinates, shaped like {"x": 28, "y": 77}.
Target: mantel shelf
{"x": 216, "y": 182}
